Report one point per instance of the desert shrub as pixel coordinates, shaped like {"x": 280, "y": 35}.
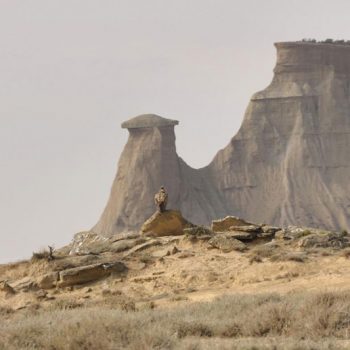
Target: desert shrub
{"x": 317, "y": 318}
{"x": 65, "y": 304}
{"x": 263, "y": 251}
{"x": 41, "y": 254}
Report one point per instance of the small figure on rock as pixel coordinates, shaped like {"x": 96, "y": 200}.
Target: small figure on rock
{"x": 161, "y": 199}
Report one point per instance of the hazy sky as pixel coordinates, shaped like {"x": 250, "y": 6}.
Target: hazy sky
{"x": 72, "y": 70}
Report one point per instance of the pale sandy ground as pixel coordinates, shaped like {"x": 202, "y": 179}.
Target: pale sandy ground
{"x": 195, "y": 273}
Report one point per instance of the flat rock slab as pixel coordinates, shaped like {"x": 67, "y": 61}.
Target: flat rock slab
{"x": 227, "y": 222}
{"x": 84, "y": 274}
{"x": 143, "y": 246}
{"x": 241, "y": 235}
{"x": 25, "y": 284}
{"x": 126, "y": 244}
{"x": 270, "y": 229}
{"x": 247, "y": 228}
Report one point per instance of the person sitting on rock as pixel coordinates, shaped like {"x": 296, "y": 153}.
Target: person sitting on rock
{"x": 161, "y": 200}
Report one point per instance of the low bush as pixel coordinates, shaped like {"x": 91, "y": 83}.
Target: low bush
{"x": 278, "y": 321}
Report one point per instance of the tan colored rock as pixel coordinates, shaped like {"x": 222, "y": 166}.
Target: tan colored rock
{"x": 287, "y": 165}
{"x": 149, "y": 244}
{"x": 168, "y": 223}
{"x": 227, "y": 222}
{"x": 248, "y": 228}
{"x": 25, "y": 284}
{"x": 241, "y": 235}
{"x": 226, "y": 243}
{"x": 325, "y": 240}
{"x": 88, "y": 242}
{"x": 48, "y": 281}
{"x": 84, "y": 274}
{"x": 5, "y": 287}
{"x": 125, "y": 244}
{"x": 161, "y": 253}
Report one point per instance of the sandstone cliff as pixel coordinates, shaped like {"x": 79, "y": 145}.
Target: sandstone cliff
{"x": 148, "y": 161}
{"x": 288, "y": 164}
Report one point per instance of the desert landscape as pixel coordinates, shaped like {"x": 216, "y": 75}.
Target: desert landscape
{"x": 196, "y": 275}
{"x": 251, "y": 251}
{"x": 236, "y": 285}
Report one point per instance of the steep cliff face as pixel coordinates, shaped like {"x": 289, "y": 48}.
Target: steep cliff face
{"x": 288, "y": 164}
{"x": 148, "y": 161}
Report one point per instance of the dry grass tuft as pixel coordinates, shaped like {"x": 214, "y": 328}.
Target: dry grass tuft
{"x": 41, "y": 254}
{"x": 297, "y": 257}
{"x": 230, "y": 322}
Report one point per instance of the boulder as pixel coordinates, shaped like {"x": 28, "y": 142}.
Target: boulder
{"x": 226, "y": 243}
{"x": 87, "y": 243}
{"x": 268, "y": 231}
{"x": 25, "y": 284}
{"x": 84, "y": 274}
{"x": 325, "y": 240}
{"x": 225, "y": 224}
{"x": 167, "y": 223}
{"x": 48, "y": 281}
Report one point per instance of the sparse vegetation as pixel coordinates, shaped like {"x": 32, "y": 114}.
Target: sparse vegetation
{"x": 43, "y": 254}
{"x": 327, "y": 41}
{"x": 263, "y": 251}
{"x": 321, "y": 320}
{"x": 297, "y": 257}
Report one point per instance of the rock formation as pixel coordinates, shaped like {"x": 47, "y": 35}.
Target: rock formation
{"x": 148, "y": 161}
{"x": 288, "y": 164}
{"x": 170, "y": 222}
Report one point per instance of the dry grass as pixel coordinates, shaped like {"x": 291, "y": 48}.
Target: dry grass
{"x": 292, "y": 256}
{"x": 299, "y": 321}
{"x": 41, "y": 254}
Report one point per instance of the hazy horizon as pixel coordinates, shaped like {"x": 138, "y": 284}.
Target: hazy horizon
{"x": 73, "y": 71}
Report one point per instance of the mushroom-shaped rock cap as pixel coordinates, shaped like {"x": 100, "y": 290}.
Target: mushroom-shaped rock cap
{"x": 148, "y": 121}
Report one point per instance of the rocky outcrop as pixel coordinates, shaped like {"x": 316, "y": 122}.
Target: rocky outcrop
{"x": 149, "y": 160}
{"x": 168, "y": 223}
{"x": 226, "y": 223}
{"x": 288, "y": 163}
{"x": 89, "y": 273}
{"x": 326, "y": 240}
{"x": 226, "y": 243}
